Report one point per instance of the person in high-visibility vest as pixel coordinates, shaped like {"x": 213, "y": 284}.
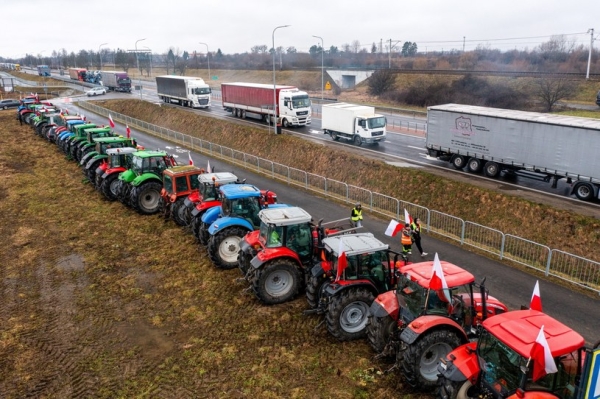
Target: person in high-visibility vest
{"x": 356, "y": 215}
{"x": 406, "y": 240}
{"x": 416, "y": 235}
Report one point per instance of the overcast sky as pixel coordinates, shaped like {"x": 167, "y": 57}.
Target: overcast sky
{"x": 235, "y": 26}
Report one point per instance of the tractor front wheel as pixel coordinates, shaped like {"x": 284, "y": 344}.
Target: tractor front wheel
{"x": 91, "y": 171}
{"x": 110, "y": 186}
{"x": 314, "y": 290}
{"x": 145, "y": 197}
{"x": 277, "y": 282}
{"x": 380, "y": 330}
{"x": 420, "y": 359}
{"x": 348, "y": 314}
{"x": 224, "y": 246}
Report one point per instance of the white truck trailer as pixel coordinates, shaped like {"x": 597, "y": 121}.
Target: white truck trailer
{"x": 529, "y": 144}
{"x": 187, "y": 91}
{"x": 357, "y": 123}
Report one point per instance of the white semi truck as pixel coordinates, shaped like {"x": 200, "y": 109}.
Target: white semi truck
{"x": 186, "y": 91}
{"x": 528, "y": 144}
{"x": 356, "y": 123}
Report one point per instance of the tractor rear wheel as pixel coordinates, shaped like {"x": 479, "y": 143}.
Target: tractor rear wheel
{"x": 144, "y": 198}
{"x": 91, "y": 171}
{"x": 277, "y": 282}
{"x": 178, "y": 212}
{"x": 379, "y": 332}
{"x": 224, "y": 246}
{"x": 123, "y": 190}
{"x": 110, "y": 186}
{"x": 420, "y": 359}
{"x": 348, "y": 314}
{"x": 314, "y": 290}
{"x": 203, "y": 235}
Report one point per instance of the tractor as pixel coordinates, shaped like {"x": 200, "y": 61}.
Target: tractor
{"x": 206, "y": 197}
{"x": 140, "y": 185}
{"x": 79, "y": 143}
{"x": 502, "y": 364}
{"x": 107, "y": 174}
{"x": 178, "y": 183}
{"x": 92, "y": 159}
{"x": 77, "y": 133}
{"x": 51, "y": 131}
{"x": 68, "y": 131}
{"x": 278, "y": 268}
{"x": 229, "y": 223}
{"x": 419, "y": 326}
{"x": 371, "y": 268}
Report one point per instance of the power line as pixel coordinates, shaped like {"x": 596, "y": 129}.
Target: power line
{"x": 509, "y": 38}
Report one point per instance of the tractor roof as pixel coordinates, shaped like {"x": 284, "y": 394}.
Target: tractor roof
{"x": 148, "y": 154}
{"x": 76, "y": 122}
{"x": 112, "y": 139}
{"x": 124, "y": 150}
{"x": 182, "y": 169}
{"x": 284, "y": 216}
{"x": 355, "y": 244}
{"x": 454, "y": 275}
{"x": 220, "y": 177}
{"x": 234, "y": 191}
{"x": 519, "y": 330}
{"x": 98, "y": 129}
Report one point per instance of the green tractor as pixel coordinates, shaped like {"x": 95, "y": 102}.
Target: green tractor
{"x": 76, "y": 132}
{"x": 94, "y": 156}
{"x": 140, "y": 186}
{"x": 78, "y": 143}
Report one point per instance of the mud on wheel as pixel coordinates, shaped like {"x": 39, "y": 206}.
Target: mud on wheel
{"x": 224, "y": 246}
{"x": 348, "y": 314}
{"x": 145, "y": 197}
{"x": 448, "y": 389}
{"x": 380, "y": 331}
{"x": 110, "y": 187}
{"x": 203, "y": 235}
{"x": 277, "y": 282}
{"x": 178, "y": 210}
{"x": 314, "y": 290}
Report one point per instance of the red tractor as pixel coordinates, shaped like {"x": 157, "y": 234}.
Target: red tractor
{"x": 419, "y": 326}
{"x": 502, "y": 364}
{"x": 178, "y": 183}
{"x": 276, "y": 259}
{"x": 107, "y": 174}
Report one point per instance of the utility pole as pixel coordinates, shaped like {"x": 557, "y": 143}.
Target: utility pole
{"x": 390, "y": 53}
{"x": 464, "y": 44}
{"x": 591, "y": 31}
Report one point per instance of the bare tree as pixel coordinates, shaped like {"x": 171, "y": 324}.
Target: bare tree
{"x": 355, "y": 46}
{"x": 381, "y": 81}
{"x": 259, "y": 49}
{"x": 550, "y": 91}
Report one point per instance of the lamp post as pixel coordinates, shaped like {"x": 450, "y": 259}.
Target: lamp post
{"x": 100, "y": 54}
{"x": 322, "y": 70}
{"x": 207, "y": 58}
{"x": 150, "y": 50}
{"x": 274, "y": 86}
{"x": 137, "y": 59}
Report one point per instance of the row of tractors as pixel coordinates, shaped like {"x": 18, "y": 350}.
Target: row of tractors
{"x": 459, "y": 341}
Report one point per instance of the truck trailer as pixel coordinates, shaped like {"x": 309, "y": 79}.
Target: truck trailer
{"x": 116, "y": 81}
{"x": 77, "y": 74}
{"x": 356, "y": 123}
{"x": 256, "y": 101}
{"x": 187, "y": 91}
{"x": 43, "y": 70}
{"x": 528, "y": 144}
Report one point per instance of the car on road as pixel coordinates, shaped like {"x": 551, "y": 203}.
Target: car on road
{"x": 95, "y": 91}
{"x": 9, "y": 103}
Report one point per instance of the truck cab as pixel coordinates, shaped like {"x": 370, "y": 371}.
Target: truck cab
{"x": 294, "y": 108}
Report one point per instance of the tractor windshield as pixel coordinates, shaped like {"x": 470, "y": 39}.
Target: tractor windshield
{"x": 148, "y": 165}
{"x": 209, "y": 192}
{"x": 271, "y": 236}
{"x": 413, "y": 294}
{"x": 168, "y": 183}
{"x": 500, "y": 365}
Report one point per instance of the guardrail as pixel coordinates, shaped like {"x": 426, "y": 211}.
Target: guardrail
{"x": 509, "y": 248}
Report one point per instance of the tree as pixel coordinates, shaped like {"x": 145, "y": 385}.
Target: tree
{"x": 409, "y": 49}
{"x": 550, "y": 91}
{"x": 219, "y": 54}
{"x": 259, "y": 49}
{"x": 124, "y": 60}
{"x": 291, "y": 50}
{"x": 373, "y": 48}
{"x": 381, "y": 81}
{"x": 333, "y": 50}
{"x": 315, "y": 50}
{"x": 171, "y": 59}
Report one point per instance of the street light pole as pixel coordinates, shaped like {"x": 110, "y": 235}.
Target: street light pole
{"x": 137, "y": 59}
{"x": 322, "y": 70}
{"x": 100, "y": 54}
{"x": 274, "y": 86}
{"x": 207, "y": 58}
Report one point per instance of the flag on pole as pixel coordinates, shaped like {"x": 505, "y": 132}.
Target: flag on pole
{"x": 111, "y": 122}
{"x": 83, "y": 117}
{"x": 393, "y": 228}
{"x": 342, "y": 262}
{"x": 208, "y": 169}
{"x": 438, "y": 281}
{"x": 191, "y": 160}
{"x": 407, "y": 218}
{"x": 128, "y": 130}
{"x": 536, "y": 299}
{"x": 543, "y": 363}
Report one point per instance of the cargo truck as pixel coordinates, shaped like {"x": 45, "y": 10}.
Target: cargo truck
{"x": 116, "y": 81}
{"x": 257, "y": 101}
{"x": 528, "y": 144}
{"x": 77, "y": 74}
{"x": 187, "y": 91}
{"x": 43, "y": 70}
{"x": 356, "y": 123}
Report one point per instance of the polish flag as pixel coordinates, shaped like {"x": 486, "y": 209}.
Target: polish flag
{"x": 128, "y": 130}
{"x": 208, "y": 169}
{"x": 191, "y": 160}
{"x": 342, "y": 263}
{"x": 111, "y": 122}
{"x": 393, "y": 228}
{"x": 83, "y": 117}
{"x": 543, "y": 363}
{"x": 407, "y": 218}
{"x": 438, "y": 281}
{"x": 536, "y": 299}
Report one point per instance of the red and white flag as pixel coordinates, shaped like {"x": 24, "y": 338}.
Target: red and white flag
{"x": 438, "y": 281}
{"x": 83, "y": 117}
{"x": 208, "y": 169}
{"x": 128, "y": 130}
{"x": 407, "y": 218}
{"x": 342, "y": 262}
{"x": 536, "y": 299}
{"x": 543, "y": 363}
{"x": 111, "y": 122}
{"x": 393, "y": 228}
{"x": 191, "y": 160}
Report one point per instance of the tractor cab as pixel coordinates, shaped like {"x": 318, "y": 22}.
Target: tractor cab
{"x": 287, "y": 227}
{"x": 154, "y": 162}
{"x": 178, "y": 183}
{"x": 120, "y": 157}
{"x": 209, "y": 184}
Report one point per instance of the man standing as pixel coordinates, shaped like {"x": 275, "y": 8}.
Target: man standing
{"x": 356, "y": 215}
{"x": 406, "y": 240}
{"x": 416, "y": 234}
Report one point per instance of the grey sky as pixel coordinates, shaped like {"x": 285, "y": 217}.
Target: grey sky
{"x": 235, "y": 26}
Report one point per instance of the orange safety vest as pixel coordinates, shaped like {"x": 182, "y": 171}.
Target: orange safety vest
{"x": 406, "y": 240}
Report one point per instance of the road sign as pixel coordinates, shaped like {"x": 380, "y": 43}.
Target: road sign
{"x": 327, "y": 86}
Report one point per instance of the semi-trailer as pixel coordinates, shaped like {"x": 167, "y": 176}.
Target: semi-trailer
{"x": 116, "y": 81}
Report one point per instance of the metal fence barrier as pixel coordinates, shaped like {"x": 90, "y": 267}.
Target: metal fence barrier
{"x": 569, "y": 267}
